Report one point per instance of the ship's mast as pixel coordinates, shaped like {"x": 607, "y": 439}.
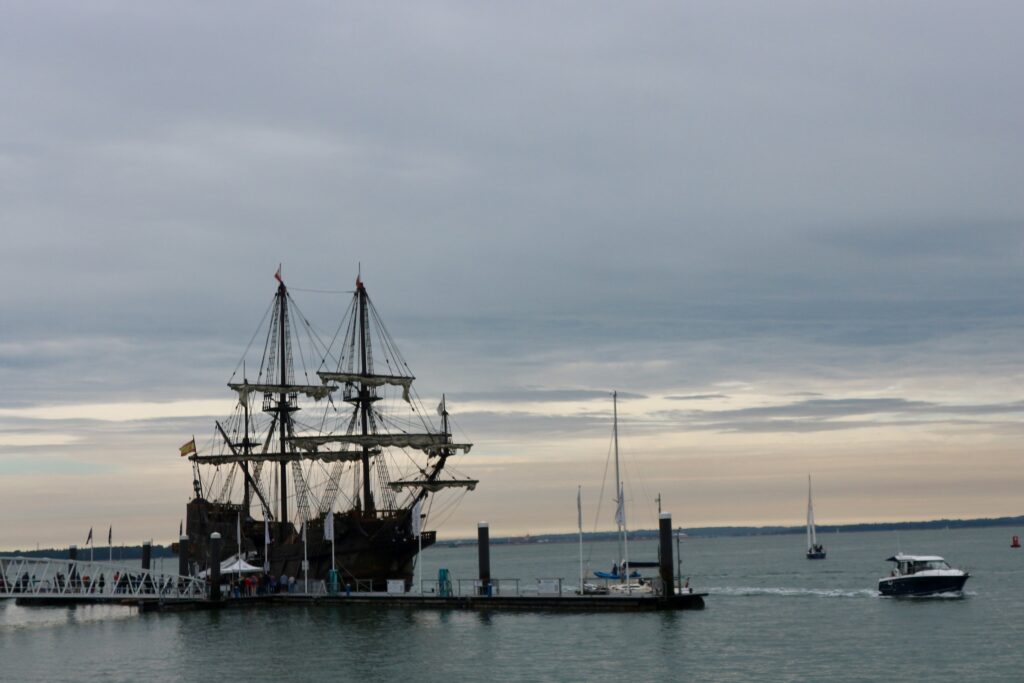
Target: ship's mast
{"x": 247, "y": 449}
{"x": 444, "y": 415}
{"x": 365, "y": 399}
{"x": 282, "y": 404}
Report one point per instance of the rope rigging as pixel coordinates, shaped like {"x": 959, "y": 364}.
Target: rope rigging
{"x": 294, "y": 347}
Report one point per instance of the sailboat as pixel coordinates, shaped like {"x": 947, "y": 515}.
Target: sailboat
{"x": 622, "y": 567}
{"x": 815, "y": 551}
{"x": 353, "y": 473}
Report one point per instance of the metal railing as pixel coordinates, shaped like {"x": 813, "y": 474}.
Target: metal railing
{"x": 87, "y": 580}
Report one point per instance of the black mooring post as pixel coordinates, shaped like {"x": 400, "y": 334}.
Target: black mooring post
{"x": 483, "y": 540}
{"x": 215, "y": 567}
{"x": 665, "y": 540}
{"x": 183, "y": 569}
{"x": 147, "y": 555}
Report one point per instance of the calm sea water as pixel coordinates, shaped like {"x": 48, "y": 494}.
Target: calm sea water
{"x": 771, "y": 615}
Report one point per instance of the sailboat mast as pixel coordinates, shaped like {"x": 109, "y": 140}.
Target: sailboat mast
{"x": 282, "y": 404}
{"x": 364, "y": 393}
{"x": 579, "y": 523}
{"x": 811, "y": 536}
{"x": 620, "y": 508}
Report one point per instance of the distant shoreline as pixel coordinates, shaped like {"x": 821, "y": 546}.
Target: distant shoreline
{"x": 135, "y": 552}
{"x": 720, "y": 531}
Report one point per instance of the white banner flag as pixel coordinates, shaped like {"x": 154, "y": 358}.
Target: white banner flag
{"x": 417, "y": 519}
{"x": 329, "y": 526}
{"x": 266, "y": 545}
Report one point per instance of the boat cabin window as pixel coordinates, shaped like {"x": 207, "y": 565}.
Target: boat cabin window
{"x": 924, "y": 565}
{"x": 932, "y": 564}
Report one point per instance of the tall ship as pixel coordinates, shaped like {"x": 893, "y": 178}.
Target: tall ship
{"x": 329, "y": 458}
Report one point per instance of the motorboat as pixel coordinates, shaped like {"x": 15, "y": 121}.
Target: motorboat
{"x": 917, "y": 575}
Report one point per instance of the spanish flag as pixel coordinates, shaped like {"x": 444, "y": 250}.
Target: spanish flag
{"x": 189, "y": 447}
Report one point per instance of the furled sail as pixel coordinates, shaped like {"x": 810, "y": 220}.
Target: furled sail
{"x": 314, "y": 391}
{"x": 434, "y": 486}
{"x": 436, "y": 450}
{"x": 378, "y": 440}
{"x": 812, "y": 535}
{"x": 289, "y": 456}
{"x": 370, "y": 380}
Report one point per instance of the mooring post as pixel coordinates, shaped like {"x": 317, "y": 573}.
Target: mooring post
{"x": 483, "y": 540}
{"x": 147, "y": 555}
{"x": 665, "y": 541}
{"x": 215, "y": 567}
{"x": 183, "y": 568}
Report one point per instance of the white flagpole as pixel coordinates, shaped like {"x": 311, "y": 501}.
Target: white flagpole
{"x": 329, "y": 533}
{"x": 625, "y": 538}
{"x": 238, "y": 537}
{"x": 579, "y": 519}
{"x": 416, "y": 526}
{"x": 266, "y": 544}
{"x": 305, "y": 558}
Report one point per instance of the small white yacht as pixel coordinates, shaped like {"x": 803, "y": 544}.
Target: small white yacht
{"x": 921, "y": 575}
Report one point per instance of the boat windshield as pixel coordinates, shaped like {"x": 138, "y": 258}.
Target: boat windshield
{"x": 927, "y": 565}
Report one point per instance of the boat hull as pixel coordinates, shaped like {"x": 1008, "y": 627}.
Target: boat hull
{"x": 916, "y": 585}
{"x": 368, "y": 551}
{"x": 815, "y": 554}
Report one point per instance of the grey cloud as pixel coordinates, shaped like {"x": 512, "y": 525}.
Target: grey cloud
{"x": 667, "y": 198}
{"x": 506, "y": 424}
{"x": 544, "y": 395}
{"x": 696, "y": 397}
{"x": 833, "y": 414}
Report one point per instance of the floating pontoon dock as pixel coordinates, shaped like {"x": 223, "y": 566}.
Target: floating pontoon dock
{"x": 47, "y": 581}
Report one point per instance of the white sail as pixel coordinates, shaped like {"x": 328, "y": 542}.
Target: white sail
{"x": 314, "y": 391}
{"x": 400, "y": 440}
{"x": 288, "y": 456}
{"x": 812, "y": 536}
{"x": 369, "y": 380}
{"x": 434, "y": 486}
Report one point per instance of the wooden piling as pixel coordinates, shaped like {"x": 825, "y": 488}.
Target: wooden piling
{"x": 665, "y": 541}
{"x": 183, "y": 549}
{"x": 483, "y": 537}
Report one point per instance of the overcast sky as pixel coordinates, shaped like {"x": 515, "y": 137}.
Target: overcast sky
{"x": 790, "y": 232}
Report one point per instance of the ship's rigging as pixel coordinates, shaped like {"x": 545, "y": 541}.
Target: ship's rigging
{"x": 327, "y": 426}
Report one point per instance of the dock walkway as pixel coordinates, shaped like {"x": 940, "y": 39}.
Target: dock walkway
{"x": 63, "y": 582}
